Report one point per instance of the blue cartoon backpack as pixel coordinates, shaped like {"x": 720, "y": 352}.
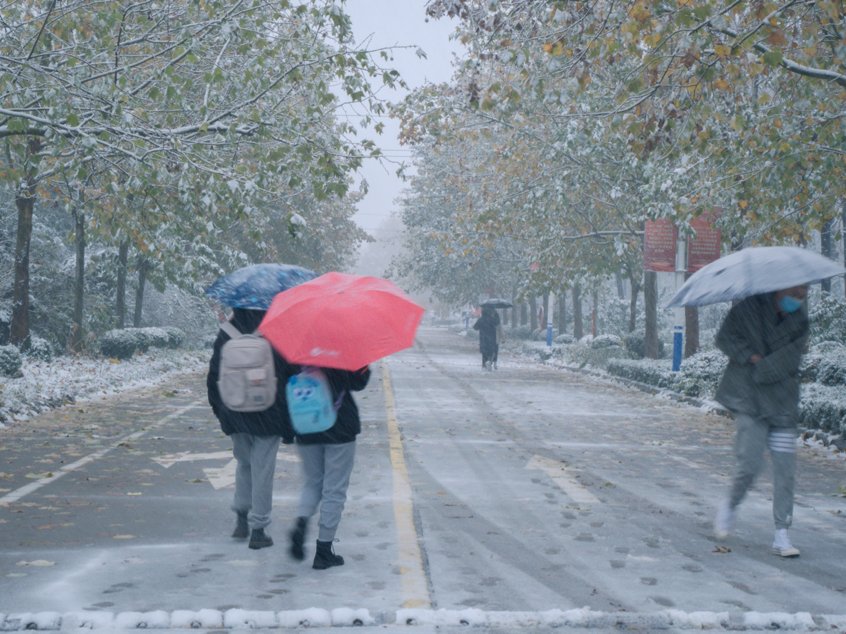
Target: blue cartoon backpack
{"x": 310, "y": 401}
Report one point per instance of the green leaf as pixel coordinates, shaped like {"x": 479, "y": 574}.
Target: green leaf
{"x": 772, "y": 58}
{"x": 702, "y": 11}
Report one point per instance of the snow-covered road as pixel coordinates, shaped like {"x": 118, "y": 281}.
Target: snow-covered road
{"x": 513, "y": 498}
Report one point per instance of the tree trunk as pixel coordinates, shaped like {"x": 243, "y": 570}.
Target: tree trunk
{"x": 562, "y": 311}
{"x": 578, "y": 328}
{"x": 593, "y": 312}
{"x": 79, "y": 285}
{"x": 533, "y": 317}
{"x": 120, "y": 302}
{"x": 691, "y": 328}
{"x": 634, "y": 285}
{"x": 691, "y": 331}
{"x": 843, "y": 230}
{"x": 547, "y": 317}
{"x": 25, "y": 203}
{"x": 524, "y": 314}
{"x": 650, "y": 300}
{"x": 143, "y": 267}
{"x": 621, "y": 295}
{"x": 827, "y": 249}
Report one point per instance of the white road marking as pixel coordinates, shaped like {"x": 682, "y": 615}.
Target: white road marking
{"x": 222, "y": 477}
{"x": 186, "y": 456}
{"x": 557, "y": 472}
{"x": 17, "y": 494}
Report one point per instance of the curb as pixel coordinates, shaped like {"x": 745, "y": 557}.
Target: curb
{"x": 582, "y": 618}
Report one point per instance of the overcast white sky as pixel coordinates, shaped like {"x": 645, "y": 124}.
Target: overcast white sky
{"x": 398, "y": 23}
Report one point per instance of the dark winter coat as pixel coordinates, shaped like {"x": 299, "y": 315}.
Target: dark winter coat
{"x": 768, "y": 389}
{"x": 274, "y": 421}
{"x": 487, "y": 326}
{"x": 348, "y": 424}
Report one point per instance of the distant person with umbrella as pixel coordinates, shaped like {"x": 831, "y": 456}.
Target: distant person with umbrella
{"x": 255, "y": 435}
{"x": 487, "y": 326}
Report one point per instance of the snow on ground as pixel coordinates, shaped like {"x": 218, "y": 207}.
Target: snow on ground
{"x": 45, "y": 385}
{"x": 239, "y": 620}
{"x": 48, "y": 384}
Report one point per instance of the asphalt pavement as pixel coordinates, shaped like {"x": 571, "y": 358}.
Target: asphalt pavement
{"x": 524, "y": 498}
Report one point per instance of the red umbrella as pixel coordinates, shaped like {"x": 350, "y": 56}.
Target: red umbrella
{"x": 341, "y": 321}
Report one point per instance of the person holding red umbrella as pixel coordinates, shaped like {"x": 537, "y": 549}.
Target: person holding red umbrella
{"x": 340, "y": 323}
{"x": 326, "y": 460}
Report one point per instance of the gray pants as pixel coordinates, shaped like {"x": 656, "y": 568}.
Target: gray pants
{"x": 326, "y": 477}
{"x": 753, "y": 436}
{"x": 256, "y": 456}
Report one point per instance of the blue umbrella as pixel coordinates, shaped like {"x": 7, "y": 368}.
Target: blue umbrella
{"x": 255, "y": 286}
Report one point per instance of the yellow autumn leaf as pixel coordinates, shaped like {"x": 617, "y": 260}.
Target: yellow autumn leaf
{"x": 652, "y": 39}
{"x": 722, "y": 84}
{"x": 722, "y": 51}
{"x": 743, "y": 204}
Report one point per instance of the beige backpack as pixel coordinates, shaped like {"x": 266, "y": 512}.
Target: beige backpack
{"x": 247, "y": 379}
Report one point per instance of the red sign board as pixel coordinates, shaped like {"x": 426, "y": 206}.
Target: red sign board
{"x": 704, "y": 247}
{"x": 659, "y": 246}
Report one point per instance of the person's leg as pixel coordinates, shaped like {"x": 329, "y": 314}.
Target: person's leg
{"x": 750, "y": 440}
{"x": 338, "y": 465}
{"x": 749, "y": 447}
{"x": 263, "y": 461}
{"x": 243, "y": 498}
{"x": 311, "y": 466}
{"x": 782, "y": 443}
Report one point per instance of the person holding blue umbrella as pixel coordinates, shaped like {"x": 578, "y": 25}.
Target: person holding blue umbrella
{"x": 255, "y": 435}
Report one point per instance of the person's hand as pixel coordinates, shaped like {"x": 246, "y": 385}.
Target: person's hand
{"x": 755, "y": 358}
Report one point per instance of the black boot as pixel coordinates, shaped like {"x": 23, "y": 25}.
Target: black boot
{"x": 259, "y": 539}
{"x": 297, "y": 536}
{"x": 325, "y": 558}
{"x": 242, "y": 530}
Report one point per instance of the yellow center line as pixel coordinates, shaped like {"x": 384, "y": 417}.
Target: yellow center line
{"x": 415, "y": 590}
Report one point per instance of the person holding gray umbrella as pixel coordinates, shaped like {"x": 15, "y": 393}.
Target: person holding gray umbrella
{"x": 764, "y": 336}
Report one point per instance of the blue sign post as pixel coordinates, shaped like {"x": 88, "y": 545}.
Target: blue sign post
{"x": 678, "y": 326}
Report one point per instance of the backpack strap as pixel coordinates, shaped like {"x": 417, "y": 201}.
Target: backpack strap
{"x": 229, "y": 328}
